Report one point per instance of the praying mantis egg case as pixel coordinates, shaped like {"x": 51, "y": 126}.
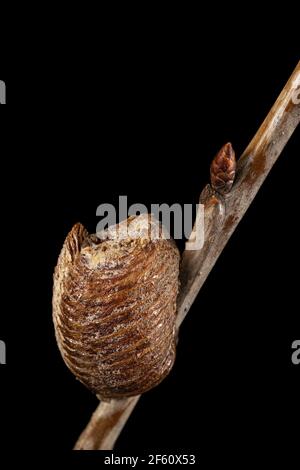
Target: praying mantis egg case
{"x": 114, "y": 307}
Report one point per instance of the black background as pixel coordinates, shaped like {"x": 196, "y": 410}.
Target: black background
{"x": 145, "y": 121}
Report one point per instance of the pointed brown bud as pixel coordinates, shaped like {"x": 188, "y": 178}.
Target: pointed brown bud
{"x": 222, "y": 169}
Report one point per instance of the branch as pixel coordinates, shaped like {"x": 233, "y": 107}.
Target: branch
{"x": 222, "y": 213}
{"x": 106, "y": 424}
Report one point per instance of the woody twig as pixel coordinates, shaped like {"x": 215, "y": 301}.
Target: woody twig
{"x": 225, "y": 202}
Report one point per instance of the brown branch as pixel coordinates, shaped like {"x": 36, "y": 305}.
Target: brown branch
{"x": 106, "y": 424}
{"x": 222, "y": 213}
